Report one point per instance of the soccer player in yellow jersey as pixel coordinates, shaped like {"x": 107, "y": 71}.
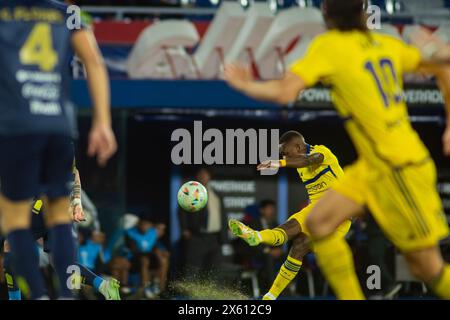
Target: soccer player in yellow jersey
{"x": 394, "y": 175}
{"x": 318, "y": 169}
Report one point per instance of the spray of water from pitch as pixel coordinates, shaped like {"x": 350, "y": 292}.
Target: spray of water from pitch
{"x": 205, "y": 288}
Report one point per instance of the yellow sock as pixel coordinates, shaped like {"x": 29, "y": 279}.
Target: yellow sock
{"x": 336, "y": 262}
{"x": 273, "y": 237}
{"x": 287, "y": 273}
{"x": 442, "y": 286}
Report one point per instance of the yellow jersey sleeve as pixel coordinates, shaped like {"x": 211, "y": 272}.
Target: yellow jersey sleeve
{"x": 327, "y": 154}
{"x": 315, "y": 64}
{"x": 329, "y": 159}
{"x": 410, "y": 57}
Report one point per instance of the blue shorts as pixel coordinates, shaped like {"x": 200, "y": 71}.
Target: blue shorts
{"x": 36, "y": 164}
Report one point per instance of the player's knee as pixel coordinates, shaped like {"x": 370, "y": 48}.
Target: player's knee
{"x": 317, "y": 226}
{"x": 423, "y": 271}
{"x": 426, "y": 265}
{"x": 57, "y": 211}
{"x": 418, "y": 271}
{"x": 15, "y": 219}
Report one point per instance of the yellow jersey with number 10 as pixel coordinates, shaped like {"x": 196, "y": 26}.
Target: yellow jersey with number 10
{"x": 319, "y": 178}
{"x": 365, "y": 72}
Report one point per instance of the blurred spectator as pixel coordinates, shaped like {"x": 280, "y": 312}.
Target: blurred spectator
{"x": 145, "y": 255}
{"x": 162, "y": 257}
{"x": 90, "y": 254}
{"x": 90, "y": 248}
{"x": 116, "y": 254}
{"x": 204, "y": 233}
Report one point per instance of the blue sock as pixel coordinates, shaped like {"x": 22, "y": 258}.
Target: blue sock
{"x": 63, "y": 252}
{"x": 89, "y": 277}
{"x": 25, "y": 260}
{"x": 97, "y": 282}
{"x": 13, "y": 290}
{"x": 14, "y": 295}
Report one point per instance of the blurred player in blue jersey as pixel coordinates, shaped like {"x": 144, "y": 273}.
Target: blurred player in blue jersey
{"x": 109, "y": 288}
{"x": 37, "y": 129}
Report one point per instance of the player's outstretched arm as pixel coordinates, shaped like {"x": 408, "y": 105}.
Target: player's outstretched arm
{"x": 102, "y": 142}
{"x": 297, "y": 162}
{"x": 282, "y": 91}
{"x": 435, "y": 51}
{"x": 305, "y": 161}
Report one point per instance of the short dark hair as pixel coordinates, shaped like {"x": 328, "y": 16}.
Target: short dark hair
{"x": 345, "y": 15}
{"x": 288, "y": 136}
{"x": 266, "y": 202}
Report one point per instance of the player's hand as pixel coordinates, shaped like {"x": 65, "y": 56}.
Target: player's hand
{"x": 268, "y": 164}
{"x": 78, "y": 213}
{"x": 237, "y": 76}
{"x": 446, "y": 141}
{"x": 102, "y": 143}
{"x": 425, "y": 40}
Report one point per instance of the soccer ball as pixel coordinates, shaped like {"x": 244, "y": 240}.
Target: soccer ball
{"x": 192, "y": 196}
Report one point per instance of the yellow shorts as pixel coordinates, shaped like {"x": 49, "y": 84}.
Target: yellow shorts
{"x": 303, "y": 214}
{"x": 404, "y": 202}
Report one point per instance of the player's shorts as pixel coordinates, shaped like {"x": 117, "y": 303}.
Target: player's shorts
{"x": 303, "y": 214}
{"x": 33, "y": 164}
{"x": 404, "y": 201}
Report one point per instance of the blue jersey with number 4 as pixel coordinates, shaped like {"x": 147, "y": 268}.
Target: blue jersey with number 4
{"x": 35, "y": 53}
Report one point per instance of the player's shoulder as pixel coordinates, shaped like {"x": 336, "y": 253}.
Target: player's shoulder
{"x": 388, "y": 39}
{"x": 319, "y": 148}
{"x": 327, "y": 38}
{"x": 327, "y": 153}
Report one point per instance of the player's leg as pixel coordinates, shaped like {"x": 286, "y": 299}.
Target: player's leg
{"x": 57, "y": 178}
{"x": 290, "y": 268}
{"x": 334, "y": 255}
{"x": 428, "y": 266}
{"x": 13, "y": 289}
{"x": 109, "y": 288}
{"x": 19, "y": 172}
{"x": 272, "y": 237}
{"x": 418, "y": 209}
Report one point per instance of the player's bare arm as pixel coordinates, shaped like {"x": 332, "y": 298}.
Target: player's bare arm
{"x": 102, "y": 142}
{"x": 303, "y": 161}
{"x": 76, "y": 207}
{"x": 282, "y": 91}
{"x": 435, "y": 51}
